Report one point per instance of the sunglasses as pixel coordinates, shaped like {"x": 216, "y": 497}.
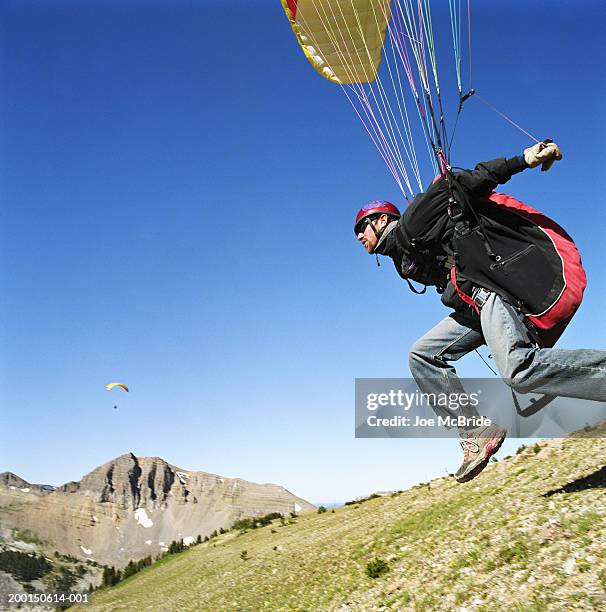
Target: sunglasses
{"x": 361, "y": 228}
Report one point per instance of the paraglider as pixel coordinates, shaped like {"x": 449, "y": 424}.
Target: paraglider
{"x": 513, "y": 277}
{"x": 110, "y": 386}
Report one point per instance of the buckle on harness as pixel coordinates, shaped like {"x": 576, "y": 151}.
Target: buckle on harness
{"x": 455, "y": 212}
{"x": 480, "y": 296}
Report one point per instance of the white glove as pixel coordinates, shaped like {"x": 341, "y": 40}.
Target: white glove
{"x": 542, "y": 154}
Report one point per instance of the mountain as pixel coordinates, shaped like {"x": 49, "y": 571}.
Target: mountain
{"x": 132, "y": 507}
{"x": 527, "y": 534}
{"x": 12, "y": 481}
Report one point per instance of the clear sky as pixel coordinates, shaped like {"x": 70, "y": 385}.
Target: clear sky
{"x": 177, "y": 192}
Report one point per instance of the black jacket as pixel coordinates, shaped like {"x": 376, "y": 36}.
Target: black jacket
{"x": 420, "y": 245}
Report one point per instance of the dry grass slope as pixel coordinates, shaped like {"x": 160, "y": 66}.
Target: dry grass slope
{"x": 502, "y": 541}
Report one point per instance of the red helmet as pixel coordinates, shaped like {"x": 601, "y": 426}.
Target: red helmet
{"x": 374, "y": 209}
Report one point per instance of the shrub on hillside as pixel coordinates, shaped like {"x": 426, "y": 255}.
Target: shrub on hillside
{"x": 176, "y": 546}
{"x": 256, "y": 521}
{"x": 376, "y": 568}
{"x": 111, "y": 576}
{"x": 136, "y": 566}
{"x": 66, "y": 558}
{"x": 361, "y": 500}
{"x": 64, "y": 580}
{"x": 24, "y": 566}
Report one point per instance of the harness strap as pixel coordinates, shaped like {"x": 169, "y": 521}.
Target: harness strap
{"x": 412, "y": 288}
{"x": 466, "y": 298}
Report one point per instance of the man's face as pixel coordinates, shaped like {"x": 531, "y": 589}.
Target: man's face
{"x": 367, "y": 236}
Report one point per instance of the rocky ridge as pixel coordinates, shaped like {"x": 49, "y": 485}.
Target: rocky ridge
{"x": 132, "y": 507}
{"x": 12, "y": 481}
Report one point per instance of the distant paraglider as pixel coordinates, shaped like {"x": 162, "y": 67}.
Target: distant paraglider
{"x": 110, "y": 386}
{"x": 116, "y": 384}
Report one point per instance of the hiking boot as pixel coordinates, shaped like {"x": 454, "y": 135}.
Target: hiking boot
{"x": 478, "y": 445}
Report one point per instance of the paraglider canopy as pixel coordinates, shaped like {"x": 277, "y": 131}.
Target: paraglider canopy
{"x": 343, "y": 41}
{"x": 116, "y": 384}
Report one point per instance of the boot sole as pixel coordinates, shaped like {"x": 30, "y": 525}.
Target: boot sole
{"x": 490, "y": 451}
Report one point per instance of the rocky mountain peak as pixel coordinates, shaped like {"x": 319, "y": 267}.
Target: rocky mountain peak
{"x": 9, "y": 479}
{"x": 128, "y": 481}
{"x": 131, "y": 507}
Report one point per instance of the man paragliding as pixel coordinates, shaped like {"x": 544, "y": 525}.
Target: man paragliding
{"x": 512, "y": 276}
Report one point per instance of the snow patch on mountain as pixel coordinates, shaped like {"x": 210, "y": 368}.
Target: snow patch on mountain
{"x": 142, "y": 518}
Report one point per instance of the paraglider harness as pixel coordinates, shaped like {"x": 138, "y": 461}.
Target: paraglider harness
{"x": 429, "y": 265}
{"x": 498, "y": 244}
{"x": 459, "y": 212}
{"x": 495, "y": 243}
{"x": 465, "y": 219}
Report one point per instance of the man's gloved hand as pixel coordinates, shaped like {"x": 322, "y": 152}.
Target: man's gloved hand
{"x": 543, "y": 154}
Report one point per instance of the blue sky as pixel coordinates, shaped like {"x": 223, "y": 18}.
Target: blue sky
{"x": 177, "y": 193}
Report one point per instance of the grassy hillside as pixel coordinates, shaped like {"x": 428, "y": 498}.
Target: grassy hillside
{"x": 528, "y": 534}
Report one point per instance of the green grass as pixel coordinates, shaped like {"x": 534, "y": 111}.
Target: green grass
{"x": 437, "y": 516}
{"x": 517, "y": 552}
{"x": 28, "y": 537}
{"x": 582, "y": 524}
{"x": 428, "y": 548}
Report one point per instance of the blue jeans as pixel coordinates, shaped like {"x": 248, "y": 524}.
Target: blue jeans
{"x": 579, "y": 373}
